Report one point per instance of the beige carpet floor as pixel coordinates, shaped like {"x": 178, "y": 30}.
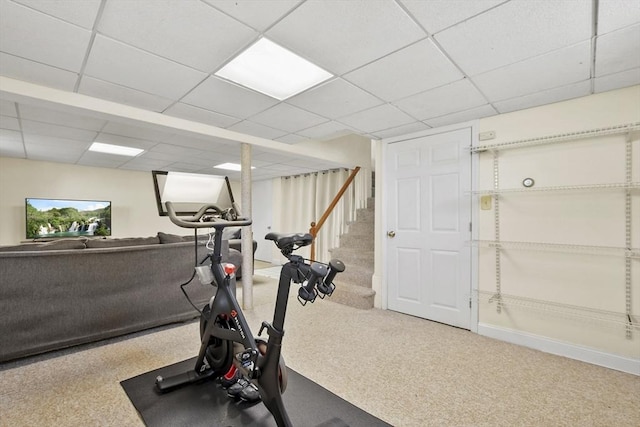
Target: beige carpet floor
{"x": 404, "y": 370}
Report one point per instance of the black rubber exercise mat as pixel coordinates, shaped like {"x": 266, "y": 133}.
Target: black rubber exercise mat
{"x": 206, "y": 404}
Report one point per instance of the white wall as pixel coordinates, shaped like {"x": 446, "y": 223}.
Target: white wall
{"x": 561, "y": 298}
{"x": 134, "y": 211}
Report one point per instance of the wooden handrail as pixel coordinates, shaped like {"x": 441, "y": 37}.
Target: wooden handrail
{"x": 315, "y": 227}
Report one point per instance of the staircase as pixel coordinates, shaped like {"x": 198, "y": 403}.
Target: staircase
{"x": 353, "y": 286}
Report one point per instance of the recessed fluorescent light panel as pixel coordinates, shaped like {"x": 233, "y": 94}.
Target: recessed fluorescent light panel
{"x": 120, "y": 150}
{"x": 230, "y": 166}
{"x": 273, "y": 70}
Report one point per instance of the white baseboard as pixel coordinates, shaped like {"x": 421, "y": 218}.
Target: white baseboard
{"x": 584, "y": 354}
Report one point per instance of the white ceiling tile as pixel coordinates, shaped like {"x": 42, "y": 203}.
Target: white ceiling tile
{"x": 342, "y": 35}
{"x": 461, "y": 95}
{"x": 188, "y": 32}
{"x": 35, "y": 72}
{"x": 377, "y": 118}
{"x": 257, "y": 129}
{"x": 8, "y": 108}
{"x": 103, "y": 160}
{"x": 554, "y": 69}
{"x": 123, "y": 95}
{"x": 400, "y": 130}
{"x": 9, "y": 123}
{"x": 257, "y": 14}
{"x": 138, "y": 163}
{"x": 148, "y": 132}
{"x": 82, "y": 13}
{"x": 436, "y": 15}
{"x": 616, "y": 14}
{"x": 227, "y": 98}
{"x": 547, "y": 97}
{"x": 8, "y": 135}
{"x": 292, "y": 138}
{"x": 48, "y": 129}
{"x": 326, "y": 131}
{"x": 618, "y": 51}
{"x": 33, "y": 35}
{"x": 617, "y": 80}
{"x": 61, "y": 156}
{"x": 189, "y": 112}
{"x": 72, "y": 120}
{"x": 463, "y": 116}
{"x": 287, "y": 117}
{"x": 56, "y": 144}
{"x": 11, "y": 144}
{"x": 514, "y": 31}
{"x": 413, "y": 69}
{"x": 335, "y": 99}
{"x": 119, "y": 63}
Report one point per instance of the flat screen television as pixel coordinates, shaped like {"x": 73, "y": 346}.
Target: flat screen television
{"x": 54, "y": 218}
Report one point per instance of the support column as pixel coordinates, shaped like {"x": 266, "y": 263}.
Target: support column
{"x": 247, "y": 232}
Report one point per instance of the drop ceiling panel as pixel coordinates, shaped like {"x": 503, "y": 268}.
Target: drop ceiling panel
{"x": 8, "y": 108}
{"x": 400, "y": 130}
{"x": 287, "y": 117}
{"x": 46, "y": 115}
{"x": 123, "y": 95}
{"x": 56, "y": 144}
{"x": 515, "y": 31}
{"x": 226, "y": 98}
{"x": 457, "y": 96}
{"x": 145, "y": 164}
{"x": 33, "y": 35}
{"x": 125, "y": 141}
{"x": 34, "y": 72}
{"x": 138, "y": 132}
{"x": 256, "y": 129}
{"x": 257, "y": 14}
{"x": 617, "y": 80}
{"x": 56, "y": 131}
{"x": 462, "y": 116}
{"x": 188, "y": 32}
{"x": 10, "y": 123}
{"x": 342, "y": 35}
{"x": 334, "y": 99}
{"x": 102, "y": 160}
{"x": 12, "y": 136}
{"x": 138, "y": 69}
{"x": 547, "y": 97}
{"x": 326, "y": 131}
{"x": 618, "y": 51}
{"x": 616, "y": 14}
{"x": 11, "y": 144}
{"x": 82, "y": 13}
{"x": 547, "y": 71}
{"x": 416, "y": 68}
{"x": 377, "y": 118}
{"x": 436, "y": 15}
{"x": 189, "y": 112}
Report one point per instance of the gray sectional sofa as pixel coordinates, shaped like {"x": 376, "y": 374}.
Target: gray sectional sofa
{"x": 67, "y": 292}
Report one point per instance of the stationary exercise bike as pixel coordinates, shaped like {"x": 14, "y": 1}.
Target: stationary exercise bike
{"x": 225, "y": 335}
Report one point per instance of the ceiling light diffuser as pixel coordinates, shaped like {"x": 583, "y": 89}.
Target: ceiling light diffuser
{"x": 273, "y": 70}
{"x": 119, "y": 150}
{"x": 230, "y": 166}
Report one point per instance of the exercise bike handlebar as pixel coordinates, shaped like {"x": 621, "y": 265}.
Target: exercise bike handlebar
{"x": 196, "y": 221}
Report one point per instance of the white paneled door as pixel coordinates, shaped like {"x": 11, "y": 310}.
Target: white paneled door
{"x": 429, "y": 212}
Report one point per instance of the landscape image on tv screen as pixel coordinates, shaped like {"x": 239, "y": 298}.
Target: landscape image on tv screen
{"x": 67, "y": 218}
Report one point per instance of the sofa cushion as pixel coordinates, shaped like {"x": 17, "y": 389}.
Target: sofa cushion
{"x": 115, "y": 243}
{"x": 170, "y": 238}
{"x": 48, "y": 246}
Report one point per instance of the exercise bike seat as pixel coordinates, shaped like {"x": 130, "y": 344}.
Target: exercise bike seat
{"x": 284, "y": 240}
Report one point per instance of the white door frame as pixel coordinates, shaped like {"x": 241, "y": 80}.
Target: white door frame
{"x": 380, "y": 275}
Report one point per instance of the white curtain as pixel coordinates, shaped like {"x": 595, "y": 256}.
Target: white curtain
{"x": 306, "y": 197}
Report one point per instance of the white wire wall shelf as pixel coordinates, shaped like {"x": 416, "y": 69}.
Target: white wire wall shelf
{"x": 589, "y": 187}
{"x": 582, "y": 314}
{"x": 562, "y": 248}
{"x": 612, "y": 130}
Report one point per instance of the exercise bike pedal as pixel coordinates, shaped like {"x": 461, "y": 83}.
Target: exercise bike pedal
{"x": 169, "y": 383}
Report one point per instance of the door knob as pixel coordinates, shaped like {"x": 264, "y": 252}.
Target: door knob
{"x": 391, "y": 234}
